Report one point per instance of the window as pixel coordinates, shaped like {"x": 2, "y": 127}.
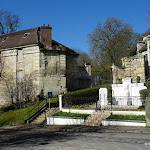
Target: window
{"x": 20, "y": 55}
{"x": 25, "y": 35}
{"x": 4, "y": 39}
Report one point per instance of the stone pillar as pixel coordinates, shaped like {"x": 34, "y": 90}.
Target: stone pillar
{"x": 60, "y": 102}
{"x": 147, "y": 110}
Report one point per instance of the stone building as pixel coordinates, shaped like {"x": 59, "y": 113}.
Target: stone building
{"x": 136, "y": 67}
{"x": 32, "y": 51}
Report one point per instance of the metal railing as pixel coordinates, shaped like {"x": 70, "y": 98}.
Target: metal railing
{"x": 40, "y": 107}
{"x": 122, "y": 103}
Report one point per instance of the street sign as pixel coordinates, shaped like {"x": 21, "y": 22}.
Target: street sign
{"x": 50, "y": 94}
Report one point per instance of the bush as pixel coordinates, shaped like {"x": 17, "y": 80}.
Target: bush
{"x": 143, "y": 93}
{"x": 41, "y": 95}
{"x": 138, "y": 79}
{"x": 7, "y": 108}
{"x": 127, "y": 117}
{"x": 142, "y": 107}
{"x": 92, "y": 91}
{"x": 70, "y": 114}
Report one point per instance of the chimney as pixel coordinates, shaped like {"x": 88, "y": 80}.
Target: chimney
{"x": 46, "y": 36}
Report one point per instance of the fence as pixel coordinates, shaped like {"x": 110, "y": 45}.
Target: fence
{"x": 101, "y": 77}
{"x": 122, "y": 103}
{"x": 118, "y": 103}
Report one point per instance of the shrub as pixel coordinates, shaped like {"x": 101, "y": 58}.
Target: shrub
{"x": 142, "y": 107}
{"x": 127, "y": 117}
{"x": 84, "y": 96}
{"x": 41, "y": 95}
{"x": 143, "y": 93}
{"x": 92, "y": 91}
{"x": 70, "y": 114}
{"x": 138, "y": 79}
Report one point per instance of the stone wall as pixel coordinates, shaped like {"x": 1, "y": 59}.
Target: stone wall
{"x": 132, "y": 67}
{"x": 17, "y": 65}
{"x": 77, "y": 77}
{"x": 53, "y": 72}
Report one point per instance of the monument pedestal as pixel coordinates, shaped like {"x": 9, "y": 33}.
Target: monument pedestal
{"x": 127, "y": 93}
{"x": 103, "y": 97}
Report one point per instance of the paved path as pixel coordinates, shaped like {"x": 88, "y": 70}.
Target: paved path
{"x": 76, "y": 138}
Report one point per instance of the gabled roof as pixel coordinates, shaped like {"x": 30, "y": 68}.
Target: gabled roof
{"x": 65, "y": 48}
{"x": 16, "y": 39}
{"x": 28, "y": 37}
{"x": 147, "y": 32}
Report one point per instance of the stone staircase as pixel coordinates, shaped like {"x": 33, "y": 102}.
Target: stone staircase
{"x": 96, "y": 118}
{"x": 41, "y": 118}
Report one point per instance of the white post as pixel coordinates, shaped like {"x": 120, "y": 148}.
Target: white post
{"x": 60, "y": 102}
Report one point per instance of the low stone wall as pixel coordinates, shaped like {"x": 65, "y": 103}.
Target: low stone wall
{"x": 123, "y": 123}
{"x": 64, "y": 121}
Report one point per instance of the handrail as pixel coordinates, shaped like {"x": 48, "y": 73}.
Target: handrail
{"x": 36, "y": 107}
{"x": 35, "y": 111}
{"x": 38, "y": 110}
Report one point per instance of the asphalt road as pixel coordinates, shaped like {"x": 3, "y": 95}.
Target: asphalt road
{"x": 44, "y": 139}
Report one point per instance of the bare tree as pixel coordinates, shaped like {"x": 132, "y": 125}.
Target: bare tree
{"x": 83, "y": 58}
{"x": 111, "y": 41}
{"x": 27, "y": 88}
{"x": 19, "y": 92}
{"x": 9, "y": 83}
{"x": 9, "y": 22}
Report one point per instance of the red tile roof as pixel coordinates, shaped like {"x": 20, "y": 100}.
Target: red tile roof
{"x": 147, "y": 32}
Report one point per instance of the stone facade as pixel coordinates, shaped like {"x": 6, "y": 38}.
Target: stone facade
{"x": 137, "y": 66}
{"x": 53, "y": 65}
{"x": 133, "y": 67}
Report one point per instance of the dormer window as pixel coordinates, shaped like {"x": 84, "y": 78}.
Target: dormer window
{"x": 4, "y": 39}
{"x": 25, "y": 35}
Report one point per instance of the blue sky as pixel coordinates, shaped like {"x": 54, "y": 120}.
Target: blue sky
{"x": 72, "y": 20}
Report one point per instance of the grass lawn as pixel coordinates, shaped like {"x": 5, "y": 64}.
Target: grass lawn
{"x": 127, "y": 117}
{"x": 70, "y": 114}
{"x": 6, "y": 118}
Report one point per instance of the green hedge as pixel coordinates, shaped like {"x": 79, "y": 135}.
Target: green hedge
{"x": 85, "y": 96}
{"x": 92, "y": 91}
{"x": 127, "y": 117}
{"x": 70, "y": 114}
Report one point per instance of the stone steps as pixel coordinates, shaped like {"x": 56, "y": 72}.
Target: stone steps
{"x": 41, "y": 118}
{"x": 96, "y": 118}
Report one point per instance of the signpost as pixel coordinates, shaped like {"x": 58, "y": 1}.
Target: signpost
{"x": 49, "y": 95}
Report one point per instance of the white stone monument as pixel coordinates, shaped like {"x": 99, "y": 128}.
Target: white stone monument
{"x": 103, "y": 100}
{"x": 127, "y": 93}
